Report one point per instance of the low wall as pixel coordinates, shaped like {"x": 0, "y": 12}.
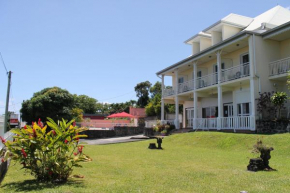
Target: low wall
{"x": 117, "y": 132}
{"x": 272, "y": 127}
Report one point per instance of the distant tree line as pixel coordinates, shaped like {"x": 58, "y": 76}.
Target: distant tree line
{"x": 58, "y": 103}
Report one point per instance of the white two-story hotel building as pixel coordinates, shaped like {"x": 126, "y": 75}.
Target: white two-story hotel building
{"x": 232, "y": 61}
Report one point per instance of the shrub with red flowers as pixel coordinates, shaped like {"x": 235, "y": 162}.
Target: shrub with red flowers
{"x": 48, "y": 155}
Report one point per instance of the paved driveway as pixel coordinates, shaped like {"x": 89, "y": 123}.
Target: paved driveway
{"x": 105, "y": 141}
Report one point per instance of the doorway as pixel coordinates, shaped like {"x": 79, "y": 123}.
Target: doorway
{"x": 189, "y": 117}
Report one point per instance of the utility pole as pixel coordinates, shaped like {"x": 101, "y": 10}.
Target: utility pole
{"x": 7, "y": 102}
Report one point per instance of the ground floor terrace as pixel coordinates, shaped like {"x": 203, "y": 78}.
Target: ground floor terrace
{"x": 218, "y": 107}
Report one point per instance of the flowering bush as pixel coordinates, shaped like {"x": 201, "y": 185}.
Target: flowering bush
{"x": 48, "y": 155}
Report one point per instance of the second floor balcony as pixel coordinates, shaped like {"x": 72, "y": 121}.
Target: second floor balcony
{"x": 279, "y": 67}
{"x": 227, "y": 75}
{"x": 235, "y": 72}
{"x": 168, "y": 92}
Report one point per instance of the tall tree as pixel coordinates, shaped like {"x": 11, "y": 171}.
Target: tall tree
{"x": 86, "y": 103}
{"x": 142, "y": 92}
{"x": 153, "y": 108}
{"x": 156, "y": 89}
{"x": 54, "y": 102}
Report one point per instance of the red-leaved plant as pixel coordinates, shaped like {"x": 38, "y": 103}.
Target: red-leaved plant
{"x": 49, "y": 156}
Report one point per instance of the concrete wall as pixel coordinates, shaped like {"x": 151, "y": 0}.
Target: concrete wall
{"x": 266, "y": 52}
{"x": 118, "y": 131}
{"x": 195, "y": 48}
{"x": 216, "y": 37}
{"x": 285, "y": 49}
{"x": 233, "y": 58}
{"x": 204, "y": 43}
{"x": 229, "y": 31}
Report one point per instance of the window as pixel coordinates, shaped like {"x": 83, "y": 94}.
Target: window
{"x": 245, "y": 58}
{"x": 199, "y": 74}
{"x": 181, "y": 80}
{"x": 210, "y": 112}
{"x": 244, "y": 109}
{"x": 215, "y": 67}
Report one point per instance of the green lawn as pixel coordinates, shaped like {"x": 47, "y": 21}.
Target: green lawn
{"x": 191, "y": 162}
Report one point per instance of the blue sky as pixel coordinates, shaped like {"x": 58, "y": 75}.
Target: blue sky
{"x": 101, "y": 48}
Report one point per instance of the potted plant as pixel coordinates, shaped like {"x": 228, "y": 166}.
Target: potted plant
{"x": 164, "y": 132}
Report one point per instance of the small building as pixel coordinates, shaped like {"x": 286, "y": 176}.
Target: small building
{"x": 137, "y": 112}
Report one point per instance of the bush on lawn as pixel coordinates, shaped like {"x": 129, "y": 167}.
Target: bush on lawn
{"x": 48, "y": 155}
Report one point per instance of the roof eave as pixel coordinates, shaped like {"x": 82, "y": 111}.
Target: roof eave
{"x": 276, "y": 30}
{"x": 214, "y": 47}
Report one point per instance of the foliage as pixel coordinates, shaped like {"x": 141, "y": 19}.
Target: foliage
{"x": 48, "y": 155}
{"x": 77, "y": 114}
{"x": 107, "y": 109}
{"x": 142, "y": 92}
{"x": 164, "y": 131}
{"x": 141, "y": 122}
{"x": 153, "y": 108}
{"x": 52, "y": 102}
{"x": 265, "y": 106}
{"x": 279, "y": 99}
{"x": 163, "y": 128}
{"x": 156, "y": 89}
{"x": 86, "y": 103}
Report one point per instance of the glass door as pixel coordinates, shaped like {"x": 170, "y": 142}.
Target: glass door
{"x": 189, "y": 117}
{"x": 244, "y": 63}
{"x": 228, "y": 112}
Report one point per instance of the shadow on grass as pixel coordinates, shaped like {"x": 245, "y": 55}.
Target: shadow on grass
{"x": 34, "y": 185}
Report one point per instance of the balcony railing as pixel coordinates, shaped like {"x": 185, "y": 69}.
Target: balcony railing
{"x": 279, "y": 67}
{"x": 186, "y": 86}
{"x": 206, "y": 123}
{"x": 235, "y": 72}
{"x": 236, "y": 123}
{"x": 207, "y": 80}
{"x": 239, "y": 122}
{"x": 168, "y": 92}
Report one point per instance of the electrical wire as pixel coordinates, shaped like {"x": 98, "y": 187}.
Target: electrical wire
{"x": 102, "y": 100}
{"x": 3, "y": 63}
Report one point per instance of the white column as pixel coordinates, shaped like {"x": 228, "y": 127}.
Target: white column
{"x": 195, "y": 95}
{"x": 162, "y": 100}
{"x": 219, "y": 63}
{"x": 195, "y": 110}
{"x": 252, "y": 81}
{"x": 220, "y": 91}
{"x": 195, "y": 74}
{"x": 176, "y": 101}
{"x": 220, "y": 107}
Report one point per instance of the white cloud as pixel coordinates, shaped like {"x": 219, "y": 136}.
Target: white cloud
{"x": 288, "y": 7}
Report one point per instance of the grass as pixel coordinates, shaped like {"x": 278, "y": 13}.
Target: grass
{"x": 191, "y": 162}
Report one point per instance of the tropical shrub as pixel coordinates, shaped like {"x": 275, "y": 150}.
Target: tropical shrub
{"x": 49, "y": 155}
{"x": 265, "y": 106}
{"x": 279, "y": 99}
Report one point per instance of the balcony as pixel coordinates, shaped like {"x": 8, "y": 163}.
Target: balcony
{"x": 229, "y": 74}
{"x": 235, "y": 72}
{"x": 168, "y": 92}
{"x": 279, "y": 67}
{"x": 207, "y": 80}
{"x": 186, "y": 86}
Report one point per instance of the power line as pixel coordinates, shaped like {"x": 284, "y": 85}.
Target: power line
{"x": 3, "y": 63}
{"x": 116, "y": 96}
